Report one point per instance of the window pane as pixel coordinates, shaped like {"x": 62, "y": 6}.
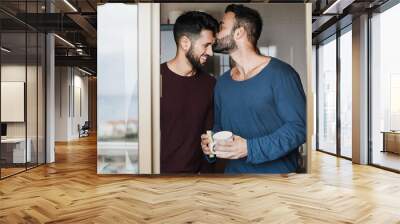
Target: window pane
{"x": 13, "y": 86}
{"x": 327, "y": 97}
{"x": 385, "y": 84}
{"x": 31, "y": 100}
{"x": 117, "y": 145}
{"x": 346, "y": 94}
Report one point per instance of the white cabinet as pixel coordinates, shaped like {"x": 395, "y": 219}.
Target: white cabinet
{"x": 17, "y": 145}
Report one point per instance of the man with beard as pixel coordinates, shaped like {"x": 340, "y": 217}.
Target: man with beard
{"x": 260, "y": 100}
{"x": 187, "y": 95}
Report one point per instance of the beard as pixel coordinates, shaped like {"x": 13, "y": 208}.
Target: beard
{"x": 225, "y": 45}
{"x": 194, "y": 60}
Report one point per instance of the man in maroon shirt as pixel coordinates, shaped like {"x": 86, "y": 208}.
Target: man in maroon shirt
{"x": 187, "y": 95}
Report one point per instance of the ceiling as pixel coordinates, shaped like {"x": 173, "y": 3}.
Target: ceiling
{"x": 75, "y": 21}
{"x": 332, "y": 15}
{"x": 72, "y": 20}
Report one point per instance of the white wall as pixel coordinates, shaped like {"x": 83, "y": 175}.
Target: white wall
{"x": 61, "y": 103}
{"x": 16, "y": 72}
{"x": 69, "y": 82}
{"x": 283, "y": 29}
{"x": 12, "y": 73}
{"x": 33, "y": 125}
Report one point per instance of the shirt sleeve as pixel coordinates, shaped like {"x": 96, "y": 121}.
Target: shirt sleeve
{"x": 217, "y": 120}
{"x": 217, "y": 111}
{"x": 211, "y": 160}
{"x": 209, "y": 121}
{"x": 209, "y": 126}
{"x": 290, "y": 104}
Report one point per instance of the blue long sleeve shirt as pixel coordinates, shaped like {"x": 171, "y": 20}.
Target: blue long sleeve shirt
{"x": 269, "y": 111}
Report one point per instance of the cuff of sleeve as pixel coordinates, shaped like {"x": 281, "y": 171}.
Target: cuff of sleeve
{"x": 249, "y": 151}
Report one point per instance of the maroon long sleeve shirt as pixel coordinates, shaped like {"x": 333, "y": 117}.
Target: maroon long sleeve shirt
{"x": 186, "y": 113}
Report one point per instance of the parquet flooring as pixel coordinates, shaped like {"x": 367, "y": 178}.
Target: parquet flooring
{"x": 70, "y": 191}
{"x": 10, "y": 171}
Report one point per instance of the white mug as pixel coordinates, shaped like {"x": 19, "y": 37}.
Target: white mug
{"x": 222, "y": 136}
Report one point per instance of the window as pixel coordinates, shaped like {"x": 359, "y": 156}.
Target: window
{"x": 385, "y": 89}
{"x": 23, "y": 89}
{"x": 346, "y": 93}
{"x": 327, "y": 96}
{"x": 117, "y": 146}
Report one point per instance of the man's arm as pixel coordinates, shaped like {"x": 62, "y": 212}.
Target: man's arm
{"x": 208, "y": 166}
{"x": 209, "y": 122}
{"x": 209, "y": 126}
{"x": 291, "y": 106}
{"x": 217, "y": 111}
{"x": 216, "y": 120}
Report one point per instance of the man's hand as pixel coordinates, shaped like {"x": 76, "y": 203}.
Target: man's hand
{"x": 204, "y": 144}
{"x": 235, "y": 149}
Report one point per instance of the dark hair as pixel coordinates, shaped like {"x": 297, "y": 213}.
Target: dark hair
{"x": 247, "y": 18}
{"x": 191, "y": 24}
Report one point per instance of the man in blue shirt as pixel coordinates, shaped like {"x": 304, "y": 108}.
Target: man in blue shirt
{"x": 260, "y": 100}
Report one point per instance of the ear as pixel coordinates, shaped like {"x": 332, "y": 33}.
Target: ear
{"x": 185, "y": 43}
{"x": 239, "y": 33}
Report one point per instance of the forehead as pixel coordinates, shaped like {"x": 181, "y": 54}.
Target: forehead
{"x": 206, "y": 36}
{"x": 228, "y": 18}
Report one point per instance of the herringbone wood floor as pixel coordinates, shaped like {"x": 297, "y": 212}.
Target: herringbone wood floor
{"x": 69, "y": 191}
